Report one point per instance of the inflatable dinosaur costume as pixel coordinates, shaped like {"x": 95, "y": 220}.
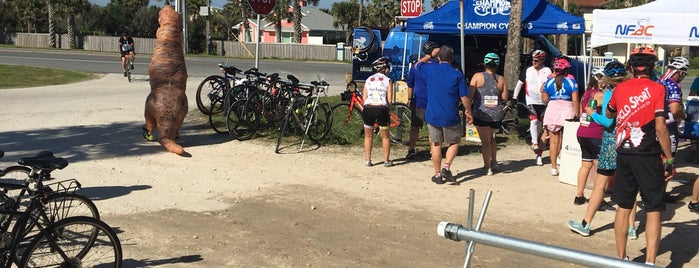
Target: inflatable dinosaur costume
{"x": 166, "y": 105}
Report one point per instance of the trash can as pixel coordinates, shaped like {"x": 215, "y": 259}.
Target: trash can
{"x": 608, "y": 57}
{"x": 341, "y": 51}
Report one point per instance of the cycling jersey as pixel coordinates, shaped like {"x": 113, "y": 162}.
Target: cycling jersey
{"x": 376, "y": 90}
{"x": 673, "y": 94}
{"x": 533, "y": 80}
{"x": 568, "y": 86}
{"x": 637, "y": 103}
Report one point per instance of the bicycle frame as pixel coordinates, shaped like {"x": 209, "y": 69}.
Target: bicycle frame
{"x": 357, "y": 100}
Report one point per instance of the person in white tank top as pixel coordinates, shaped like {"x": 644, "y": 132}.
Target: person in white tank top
{"x": 378, "y": 95}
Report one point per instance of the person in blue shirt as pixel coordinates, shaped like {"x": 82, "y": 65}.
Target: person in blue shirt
{"x": 446, "y": 87}
{"x": 417, "y": 92}
{"x": 560, "y": 92}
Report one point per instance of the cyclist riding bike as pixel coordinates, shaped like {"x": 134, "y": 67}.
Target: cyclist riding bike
{"x": 126, "y": 47}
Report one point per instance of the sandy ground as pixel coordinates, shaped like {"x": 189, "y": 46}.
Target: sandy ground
{"x": 238, "y": 204}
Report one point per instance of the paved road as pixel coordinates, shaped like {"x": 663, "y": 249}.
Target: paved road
{"x": 104, "y": 63}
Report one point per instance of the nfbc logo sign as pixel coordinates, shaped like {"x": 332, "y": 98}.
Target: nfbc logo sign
{"x": 694, "y": 34}
{"x": 641, "y": 28}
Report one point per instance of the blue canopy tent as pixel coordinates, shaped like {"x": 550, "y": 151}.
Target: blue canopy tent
{"x": 493, "y": 17}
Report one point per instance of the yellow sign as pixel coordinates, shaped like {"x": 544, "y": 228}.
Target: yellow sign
{"x": 472, "y": 134}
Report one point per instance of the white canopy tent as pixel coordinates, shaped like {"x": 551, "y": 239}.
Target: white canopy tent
{"x": 662, "y": 22}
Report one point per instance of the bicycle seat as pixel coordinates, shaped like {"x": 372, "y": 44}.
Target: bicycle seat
{"x": 293, "y": 79}
{"x": 232, "y": 70}
{"x": 44, "y": 160}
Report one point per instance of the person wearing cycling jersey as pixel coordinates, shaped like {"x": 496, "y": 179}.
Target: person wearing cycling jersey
{"x": 589, "y": 133}
{"x": 378, "y": 93}
{"x": 560, "y": 92}
{"x": 446, "y": 86}
{"x": 487, "y": 92}
{"x": 677, "y": 70}
{"x": 417, "y": 90}
{"x": 642, "y": 140}
{"x": 533, "y": 78}
{"x": 126, "y": 47}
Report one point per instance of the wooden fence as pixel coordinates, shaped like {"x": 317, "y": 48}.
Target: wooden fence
{"x": 221, "y": 48}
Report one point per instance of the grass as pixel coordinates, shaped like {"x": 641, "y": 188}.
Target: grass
{"x": 693, "y": 72}
{"x": 15, "y": 76}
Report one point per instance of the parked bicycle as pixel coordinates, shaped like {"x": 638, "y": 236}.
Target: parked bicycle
{"x": 306, "y": 115}
{"x": 35, "y": 234}
{"x": 214, "y": 87}
{"x": 347, "y": 118}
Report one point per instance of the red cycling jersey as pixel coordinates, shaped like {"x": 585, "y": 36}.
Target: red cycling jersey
{"x": 637, "y": 103}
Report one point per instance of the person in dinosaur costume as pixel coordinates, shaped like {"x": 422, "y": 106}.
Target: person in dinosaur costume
{"x": 166, "y": 105}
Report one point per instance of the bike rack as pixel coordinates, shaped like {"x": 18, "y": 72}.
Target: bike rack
{"x": 457, "y": 232}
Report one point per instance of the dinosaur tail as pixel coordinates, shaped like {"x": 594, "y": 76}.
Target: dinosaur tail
{"x": 171, "y": 146}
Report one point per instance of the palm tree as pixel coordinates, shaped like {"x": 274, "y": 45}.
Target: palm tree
{"x": 514, "y": 33}
{"x": 381, "y": 13}
{"x": 345, "y": 17}
{"x": 298, "y": 17}
{"x": 279, "y": 13}
{"x": 52, "y": 23}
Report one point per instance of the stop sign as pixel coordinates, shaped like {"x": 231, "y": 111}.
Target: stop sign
{"x": 410, "y": 8}
{"x": 262, "y": 7}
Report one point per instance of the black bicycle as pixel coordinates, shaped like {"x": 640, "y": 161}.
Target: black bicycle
{"x": 306, "y": 115}
{"x": 41, "y": 227}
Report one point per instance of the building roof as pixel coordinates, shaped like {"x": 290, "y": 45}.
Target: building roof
{"x": 317, "y": 20}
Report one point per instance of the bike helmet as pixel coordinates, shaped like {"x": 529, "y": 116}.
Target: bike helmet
{"x": 614, "y": 69}
{"x": 540, "y": 54}
{"x": 642, "y": 59}
{"x": 597, "y": 70}
{"x": 679, "y": 63}
{"x": 491, "y": 59}
{"x": 381, "y": 63}
{"x": 429, "y": 46}
{"x": 560, "y": 64}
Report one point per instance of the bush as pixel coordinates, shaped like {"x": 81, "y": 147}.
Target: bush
{"x": 694, "y": 62}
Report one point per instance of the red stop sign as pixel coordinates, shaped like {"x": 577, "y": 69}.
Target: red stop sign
{"x": 262, "y": 7}
{"x": 410, "y": 8}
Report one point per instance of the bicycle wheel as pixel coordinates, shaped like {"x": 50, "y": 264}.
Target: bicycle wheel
{"x": 128, "y": 69}
{"x": 209, "y": 90}
{"x": 400, "y": 123}
{"x": 257, "y": 101}
{"x": 347, "y": 125}
{"x": 16, "y": 172}
{"x": 288, "y": 118}
{"x": 238, "y": 117}
{"x": 217, "y": 121}
{"x": 74, "y": 242}
{"x": 319, "y": 122}
{"x": 510, "y": 121}
{"x": 61, "y": 205}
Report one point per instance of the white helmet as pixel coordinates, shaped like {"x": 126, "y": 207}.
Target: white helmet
{"x": 679, "y": 63}
{"x": 598, "y": 70}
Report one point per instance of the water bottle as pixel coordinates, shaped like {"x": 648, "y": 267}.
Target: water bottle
{"x": 593, "y": 105}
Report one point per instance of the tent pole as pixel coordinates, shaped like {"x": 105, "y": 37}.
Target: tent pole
{"x": 405, "y": 51}
{"x": 461, "y": 32}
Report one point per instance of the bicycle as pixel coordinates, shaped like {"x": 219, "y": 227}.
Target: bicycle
{"x": 348, "y": 115}
{"x": 306, "y": 115}
{"x": 37, "y": 237}
{"x": 128, "y": 66}
{"x": 214, "y": 88}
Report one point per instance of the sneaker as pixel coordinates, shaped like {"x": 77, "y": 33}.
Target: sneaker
{"x": 539, "y": 162}
{"x": 147, "y": 135}
{"x": 446, "y": 174}
{"x": 606, "y": 207}
{"x": 693, "y": 207}
{"x": 632, "y": 233}
{"x": 388, "y": 163}
{"x": 368, "y": 163}
{"x": 577, "y": 227}
{"x": 579, "y": 200}
{"x": 489, "y": 172}
{"x": 535, "y": 147}
{"x": 411, "y": 154}
{"x": 437, "y": 179}
{"x": 671, "y": 198}
{"x": 553, "y": 172}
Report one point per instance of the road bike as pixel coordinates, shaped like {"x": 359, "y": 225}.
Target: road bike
{"x": 306, "y": 115}
{"x": 347, "y": 118}
{"x": 34, "y": 234}
{"x": 214, "y": 87}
